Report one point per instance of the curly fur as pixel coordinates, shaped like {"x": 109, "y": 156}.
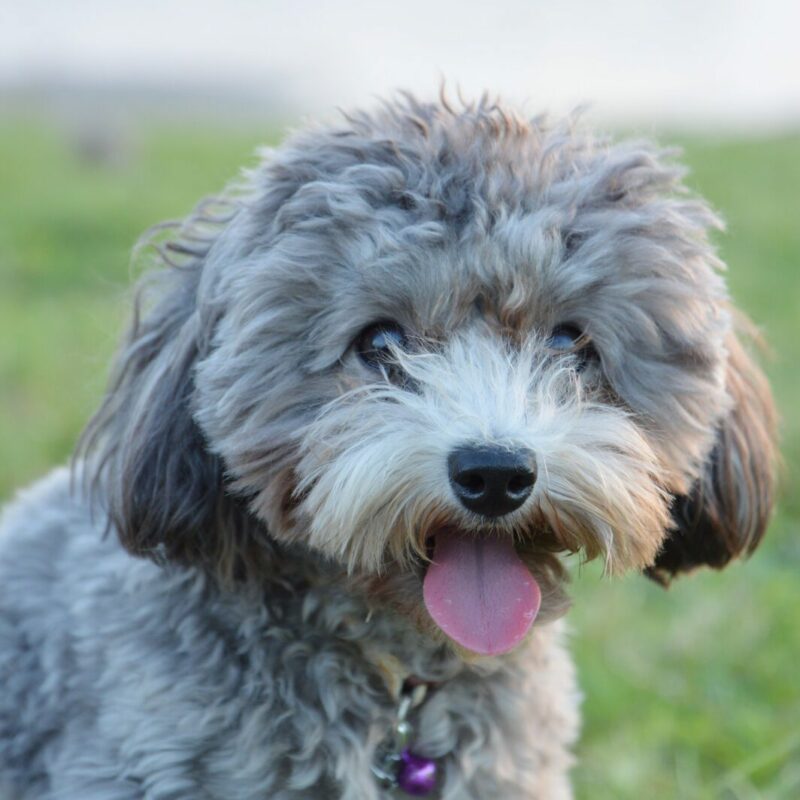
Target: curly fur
{"x": 283, "y": 495}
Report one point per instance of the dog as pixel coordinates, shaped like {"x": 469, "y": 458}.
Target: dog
{"x": 314, "y": 542}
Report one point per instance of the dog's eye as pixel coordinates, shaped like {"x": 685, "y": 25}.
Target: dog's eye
{"x": 564, "y": 337}
{"x": 374, "y": 344}
{"x": 571, "y": 340}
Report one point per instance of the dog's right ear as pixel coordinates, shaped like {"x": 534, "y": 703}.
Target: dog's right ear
{"x": 726, "y": 513}
{"x": 146, "y": 460}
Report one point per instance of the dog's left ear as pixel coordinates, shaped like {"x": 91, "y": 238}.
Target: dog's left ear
{"x": 727, "y": 511}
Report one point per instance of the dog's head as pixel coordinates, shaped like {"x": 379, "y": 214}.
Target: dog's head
{"x": 441, "y": 347}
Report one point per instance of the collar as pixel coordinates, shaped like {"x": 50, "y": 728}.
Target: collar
{"x": 398, "y": 680}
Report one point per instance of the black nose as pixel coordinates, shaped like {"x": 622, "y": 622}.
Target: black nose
{"x": 491, "y": 480}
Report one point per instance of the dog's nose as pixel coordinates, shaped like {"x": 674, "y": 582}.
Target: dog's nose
{"x": 491, "y": 480}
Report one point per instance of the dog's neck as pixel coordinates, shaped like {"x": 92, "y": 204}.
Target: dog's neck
{"x": 345, "y": 606}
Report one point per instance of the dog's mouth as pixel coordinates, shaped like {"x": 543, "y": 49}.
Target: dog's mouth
{"x": 479, "y": 592}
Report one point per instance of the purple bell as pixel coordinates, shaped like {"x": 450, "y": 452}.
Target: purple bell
{"x": 416, "y": 775}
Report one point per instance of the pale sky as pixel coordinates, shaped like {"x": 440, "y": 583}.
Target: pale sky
{"x": 729, "y": 62}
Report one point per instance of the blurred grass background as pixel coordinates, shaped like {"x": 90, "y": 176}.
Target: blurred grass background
{"x": 690, "y": 693}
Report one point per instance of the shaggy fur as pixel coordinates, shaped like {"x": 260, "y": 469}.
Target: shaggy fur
{"x": 284, "y": 494}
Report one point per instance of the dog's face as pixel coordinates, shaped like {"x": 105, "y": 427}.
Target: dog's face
{"x": 441, "y": 348}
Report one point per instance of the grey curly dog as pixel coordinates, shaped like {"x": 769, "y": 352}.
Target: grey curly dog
{"x": 313, "y": 541}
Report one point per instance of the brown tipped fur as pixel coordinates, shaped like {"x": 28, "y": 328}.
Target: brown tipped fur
{"x": 728, "y": 511}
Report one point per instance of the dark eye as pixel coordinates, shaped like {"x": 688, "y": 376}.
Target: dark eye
{"x": 564, "y": 337}
{"x": 374, "y": 343}
{"x": 570, "y": 339}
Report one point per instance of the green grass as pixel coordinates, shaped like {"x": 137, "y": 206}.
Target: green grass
{"x": 66, "y": 232}
{"x": 690, "y": 693}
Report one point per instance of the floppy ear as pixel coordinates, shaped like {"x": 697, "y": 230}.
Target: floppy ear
{"x": 727, "y": 512}
{"x": 147, "y": 462}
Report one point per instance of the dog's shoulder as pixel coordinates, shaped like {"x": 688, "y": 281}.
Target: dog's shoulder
{"x": 35, "y": 525}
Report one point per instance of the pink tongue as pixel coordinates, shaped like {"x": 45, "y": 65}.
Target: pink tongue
{"x": 480, "y": 593}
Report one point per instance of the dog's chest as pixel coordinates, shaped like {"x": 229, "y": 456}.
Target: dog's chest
{"x": 312, "y": 713}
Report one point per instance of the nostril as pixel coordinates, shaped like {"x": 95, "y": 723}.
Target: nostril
{"x": 471, "y": 482}
{"x": 520, "y": 484}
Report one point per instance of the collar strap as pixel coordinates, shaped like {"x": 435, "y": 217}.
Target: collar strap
{"x": 398, "y": 680}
